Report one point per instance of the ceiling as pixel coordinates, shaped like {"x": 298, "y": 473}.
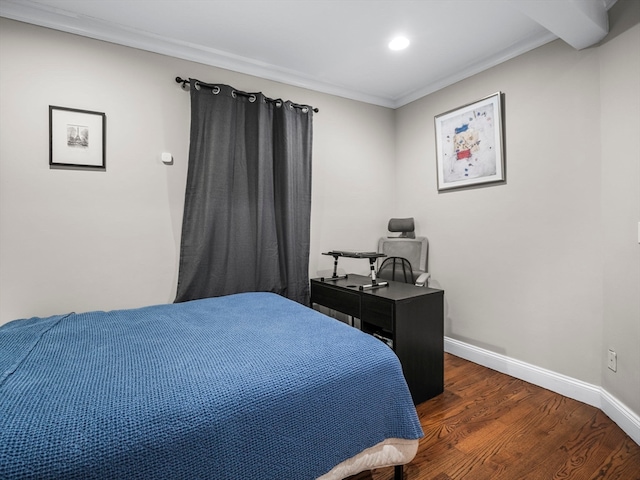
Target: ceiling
{"x": 332, "y": 46}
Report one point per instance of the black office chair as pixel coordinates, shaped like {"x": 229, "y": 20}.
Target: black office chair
{"x": 397, "y": 269}
{"x": 407, "y": 246}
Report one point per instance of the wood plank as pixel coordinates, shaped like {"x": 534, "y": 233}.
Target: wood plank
{"x": 490, "y": 426}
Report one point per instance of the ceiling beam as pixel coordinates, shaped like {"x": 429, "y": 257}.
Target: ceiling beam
{"x": 580, "y": 23}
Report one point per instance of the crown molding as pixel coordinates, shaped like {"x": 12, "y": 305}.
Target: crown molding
{"x": 478, "y": 67}
{"x": 58, "y": 19}
{"x": 45, "y": 16}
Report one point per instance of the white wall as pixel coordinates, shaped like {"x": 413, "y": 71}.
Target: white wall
{"x": 620, "y": 125}
{"x": 517, "y": 260}
{"x": 83, "y": 240}
{"x": 523, "y": 264}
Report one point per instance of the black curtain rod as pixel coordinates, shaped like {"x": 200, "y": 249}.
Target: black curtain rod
{"x": 244, "y": 94}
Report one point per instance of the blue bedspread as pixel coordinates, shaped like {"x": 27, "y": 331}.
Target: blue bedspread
{"x": 248, "y": 386}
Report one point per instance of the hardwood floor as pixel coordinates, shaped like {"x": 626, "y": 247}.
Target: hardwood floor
{"x": 487, "y": 425}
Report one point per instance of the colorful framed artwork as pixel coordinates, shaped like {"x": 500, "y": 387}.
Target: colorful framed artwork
{"x": 469, "y": 144}
{"x": 77, "y": 139}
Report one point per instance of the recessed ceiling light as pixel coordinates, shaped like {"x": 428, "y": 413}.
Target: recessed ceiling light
{"x": 399, "y": 43}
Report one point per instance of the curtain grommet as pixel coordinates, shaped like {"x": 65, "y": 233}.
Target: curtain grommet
{"x": 215, "y": 90}
{"x": 197, "y": 85}
{"x": 234, "y": 94}
{"x": 252, "y": 98}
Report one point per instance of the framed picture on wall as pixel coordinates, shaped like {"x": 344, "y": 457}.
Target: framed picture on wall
{"x": 469, "y": 144}
{"x": 77, "y": 138}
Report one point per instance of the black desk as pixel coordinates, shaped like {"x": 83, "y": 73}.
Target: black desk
{"x": 409, "y": 318}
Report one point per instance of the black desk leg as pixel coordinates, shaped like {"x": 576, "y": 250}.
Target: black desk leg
{"x": 398, "y": 473}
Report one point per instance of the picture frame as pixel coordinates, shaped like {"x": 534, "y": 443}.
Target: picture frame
{"x": 470, "y": 145}
{"x": 77, "y": 139}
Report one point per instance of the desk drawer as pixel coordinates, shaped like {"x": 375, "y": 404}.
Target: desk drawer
{"x": 337, "y": 299}
{"x": 377, "y": 312}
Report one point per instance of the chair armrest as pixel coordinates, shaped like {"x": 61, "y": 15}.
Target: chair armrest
{"x": 423, "y": 279}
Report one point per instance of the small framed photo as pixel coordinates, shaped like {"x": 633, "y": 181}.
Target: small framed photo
{"x": 77, "y": 139}
{"x": 469, "y": 144}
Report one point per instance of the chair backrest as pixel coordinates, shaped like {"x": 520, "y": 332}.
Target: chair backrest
{"x": 416, "y": 250}
{"x": 397, "y": 269}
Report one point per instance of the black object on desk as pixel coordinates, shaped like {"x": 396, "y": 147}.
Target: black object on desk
{"x": 372, "y": 256}
{"x": 408, "y": 318}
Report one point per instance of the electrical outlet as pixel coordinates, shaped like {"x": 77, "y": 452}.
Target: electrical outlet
{"x": 612, "y": 361}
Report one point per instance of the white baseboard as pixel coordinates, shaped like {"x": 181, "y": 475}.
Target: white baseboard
{"x": 617, "y": 411}
{"x": 584, "y": 392}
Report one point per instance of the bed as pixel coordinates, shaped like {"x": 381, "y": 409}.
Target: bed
{"x": 246, "y": 386}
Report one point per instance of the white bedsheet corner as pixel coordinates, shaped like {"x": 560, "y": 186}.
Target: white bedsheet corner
{"x": 390, "y": 452}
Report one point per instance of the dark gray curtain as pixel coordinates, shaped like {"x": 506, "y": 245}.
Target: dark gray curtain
{"x": 248, "y": 196}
